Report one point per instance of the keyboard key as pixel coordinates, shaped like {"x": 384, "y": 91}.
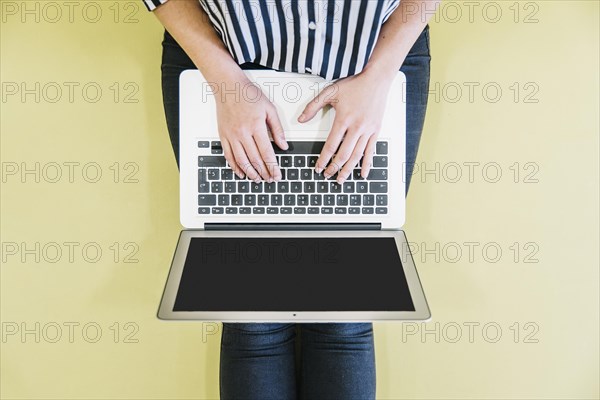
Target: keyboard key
{"x": 315, "y": 200}
{"x": 249, "y": 199}
{"x": 381, "y": 210}
{"x": 378, "y": 187}
{"x": 377, "y": 175}
{"x": 223, "y": 199}
{"x": 306, "y": 174}
{"x": 362, "y": 187}
{"x": 286, "y": 210}
{"x": 216, "y": 150}
{"x": 243, "y": 187}
{"x": 217, "y": 210}
{"x": 322, "y": 187}
{"x": 296, "y": 187}
{"x": 211, "y": 162}
{"x": 299, "y": 210}
{"x": 237, "y": 199}
{"x": 212, "y": 174}
{"x": 348, "y": 187}
{"x": 272, "y": 210}
{"x": 276, "y": 199}
{"x": 311, "y": 161}
{"x": 313, "y": 210}
{"x": 263, "y": 199}
{"x": 245, "y": 210}
{"x": 270, "y": 187}
{"x": 299, "y": 161}
{"x": 231, "y": 210}
{"x": 300, "y": 147}
{"x": 216, "y": 187}
{"x": 289, "y": 200}
{"x": 335, "y": 187}
{"x": 203, "y": 144}
{"x": 341, "y": 200}
{"x": 292, "y": 174}
{"x": 283, "y": 187}
{"x": 258, "y": 210}
{"x": 355, "y": 199}
{"x": 227, "y": 174}
{"x": 340, "y": 210}
{"x": 368, "y": 200}
{"x": 326, "y": 210}
{"x": 356, "y": 175}
{"x": 203, "y": 210}
{"x": 309, "y": 187}
{"x": 354, "y": 210}
{"x": 381, "y": 200}
{"x": 229, "y": 187}
{"x": 329, "y": 200}
{"x": 302, "y": 199}
{"x": 286, "y": 161}
{"x": 207, "y": 200}
{"x": 380, "y": 161}
{"x": 381, "y": 148}
{"x": 367, "y": 210}
{"x": 256, "y": 187}
{"x": 203, "y": 188}
{"x": 202, "y": 175}
{"x": 215, "y": 143}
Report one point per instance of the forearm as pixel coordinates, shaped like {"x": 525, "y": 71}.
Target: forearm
{"x": 189, "y": 25}
{"x": 397, "y": 36}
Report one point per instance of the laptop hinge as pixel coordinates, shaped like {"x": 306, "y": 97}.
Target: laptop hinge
{"x": 220, "y": 226}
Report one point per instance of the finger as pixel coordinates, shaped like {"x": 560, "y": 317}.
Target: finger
{"x": 267, "y": 154}
{"x": 229, "y": 156}
{"x": 255, "y": 158}
{"x": 331, "y": 145}
{"x": 242, "y": 161}
{"x": 343, "y": 153}
{"x": 276, "y": 128}
{"x": 367, "y": 160}
{"x": 354, "y": 158}
{"x": 316, "y": 104}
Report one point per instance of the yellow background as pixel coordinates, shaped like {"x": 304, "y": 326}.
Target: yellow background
{"x": 553, "y": 220}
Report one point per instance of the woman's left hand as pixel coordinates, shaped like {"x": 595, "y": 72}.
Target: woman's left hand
{"x": 359, "y": 102}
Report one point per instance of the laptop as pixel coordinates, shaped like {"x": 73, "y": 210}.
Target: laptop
{"x": 305, "y": 248}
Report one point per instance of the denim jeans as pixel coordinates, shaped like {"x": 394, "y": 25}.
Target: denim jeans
{"x": 307, "y": 360}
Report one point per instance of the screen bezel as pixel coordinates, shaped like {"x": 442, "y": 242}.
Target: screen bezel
{"x": 421, "y": 313}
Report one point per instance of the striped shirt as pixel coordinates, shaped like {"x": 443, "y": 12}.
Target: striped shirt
{"x": 329, "y": 38}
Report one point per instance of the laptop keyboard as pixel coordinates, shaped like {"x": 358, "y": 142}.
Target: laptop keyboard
{"x": 300, "y": 191}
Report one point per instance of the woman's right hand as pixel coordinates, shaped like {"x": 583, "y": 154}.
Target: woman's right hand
{"x": 245, "y": 116}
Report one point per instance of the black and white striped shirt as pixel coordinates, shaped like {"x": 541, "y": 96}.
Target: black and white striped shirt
{"x": 329, "y": 38}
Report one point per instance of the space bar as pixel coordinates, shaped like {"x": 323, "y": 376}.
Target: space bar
{"x": 296, "y": 147}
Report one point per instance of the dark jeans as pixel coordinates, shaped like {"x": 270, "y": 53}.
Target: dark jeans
{"x": 307, "y": 361}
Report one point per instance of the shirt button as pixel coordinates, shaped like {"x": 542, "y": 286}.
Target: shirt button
{"x": 312, "y": 25}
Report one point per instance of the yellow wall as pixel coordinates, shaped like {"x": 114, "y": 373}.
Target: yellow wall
{"x": 544, "y": 287}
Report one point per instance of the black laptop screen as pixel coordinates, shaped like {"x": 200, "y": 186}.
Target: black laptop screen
{"x": 293, "y": 274}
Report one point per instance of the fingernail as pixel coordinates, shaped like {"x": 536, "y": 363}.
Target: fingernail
{"x": 301, "y": 117}
{"x": 318, "y": 170}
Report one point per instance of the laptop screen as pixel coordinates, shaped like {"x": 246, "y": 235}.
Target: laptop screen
{"x": 293, "y": 274}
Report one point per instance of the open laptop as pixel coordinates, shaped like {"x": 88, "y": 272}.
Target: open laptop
{"x": 304, "y": 249}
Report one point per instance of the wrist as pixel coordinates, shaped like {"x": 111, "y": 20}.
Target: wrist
{"x": 379, "y": 71}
